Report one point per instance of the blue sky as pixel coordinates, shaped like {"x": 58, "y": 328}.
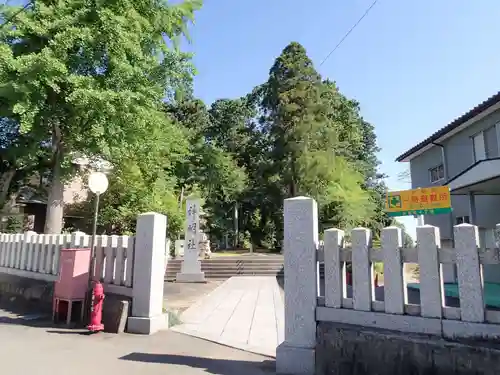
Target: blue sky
{"x": 413, "y": 65}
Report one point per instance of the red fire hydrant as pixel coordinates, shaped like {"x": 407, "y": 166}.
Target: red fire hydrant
{"x": 95, "y": 324}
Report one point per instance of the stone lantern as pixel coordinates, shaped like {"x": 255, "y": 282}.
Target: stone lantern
{"x": 204, "y": 242}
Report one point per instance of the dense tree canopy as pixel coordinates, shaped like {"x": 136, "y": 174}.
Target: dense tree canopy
{"x": 102, "y": 79}
{"x": 89, "y": 77}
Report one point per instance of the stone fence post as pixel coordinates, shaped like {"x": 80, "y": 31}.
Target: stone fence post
{"x": 296, "y": 355}
{"x": 149, "y": 271}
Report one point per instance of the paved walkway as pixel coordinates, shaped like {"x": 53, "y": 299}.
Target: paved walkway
{"x": 180, "y": 296}
{"x": 29, "y": 347}
{"x": 245, "y": 312}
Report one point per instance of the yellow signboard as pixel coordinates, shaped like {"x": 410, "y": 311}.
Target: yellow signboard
{"x": 424, "y": 201}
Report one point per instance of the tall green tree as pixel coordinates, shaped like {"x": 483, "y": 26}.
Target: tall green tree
{"x": 308, "y": 150}
{"x": 208, "y": 169}
{"x": 91, "y": 77}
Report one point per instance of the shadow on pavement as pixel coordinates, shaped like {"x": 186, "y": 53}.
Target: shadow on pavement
{"x": 32, "y": 320}
{"x": 281, "y": 280}
{"x": 23, "y": 313}
{"x": 71, "y": 332}
{"x": 29, "y": 314}
{"x": 210, "y": 365}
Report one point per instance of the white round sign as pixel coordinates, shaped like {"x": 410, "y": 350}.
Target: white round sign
{"x": 98, "y": 182}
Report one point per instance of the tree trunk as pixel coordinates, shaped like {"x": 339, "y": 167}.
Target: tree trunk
{"x": 55, "y": 201}
{"x": 5, "y": 181}
{"x": 293, "y": 180}
{"x": 293, "y": 189}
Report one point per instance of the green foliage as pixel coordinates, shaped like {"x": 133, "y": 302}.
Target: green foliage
{"x": 293, "y": 135}
{"x": 407, "y": 240}
{"x": 13, "y": 224}
{"x": 99, "y": 79}
{"x": 91, "y": 77}
{"x": 135, "y": 193}
{"x": 316, "y": 139}
{"x": 206, "y": 169}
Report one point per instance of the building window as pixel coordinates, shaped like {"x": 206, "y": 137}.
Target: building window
{"x": 485, "y": 144}
{"x": 479, "y": 147}
{"x": 437, "y": 173}
{"x": 462, "y": 220}
{"x": 491, "y": 142}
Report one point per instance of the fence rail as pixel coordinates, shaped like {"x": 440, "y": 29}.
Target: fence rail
{"x": 427, "y": 313}
{"x": 39, "y": 254}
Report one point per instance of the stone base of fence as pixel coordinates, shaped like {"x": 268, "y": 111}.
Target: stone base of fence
{"x": 294, "y": 360}
{"x": 147, "y": 326}
{"x": 344, "y": 349}
{"x": 25, "y": 294}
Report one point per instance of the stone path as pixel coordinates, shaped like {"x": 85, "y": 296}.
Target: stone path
{"x": 245, "y": 312}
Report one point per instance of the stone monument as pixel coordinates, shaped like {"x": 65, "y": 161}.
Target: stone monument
{"x": 191, "y": 266}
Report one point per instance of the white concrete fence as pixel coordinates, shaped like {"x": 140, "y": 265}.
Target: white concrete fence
{"x": 304, "y": 306}
{"x": 129, "y": 266}
{"x": 37, "y": 256}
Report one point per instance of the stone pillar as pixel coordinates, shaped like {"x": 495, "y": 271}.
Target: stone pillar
{"x": 191, "y": 266}
{"x": 149, "y": 271}
{"x": 296, "y": 355}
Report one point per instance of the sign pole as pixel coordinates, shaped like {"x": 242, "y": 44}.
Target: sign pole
{"x": 420, "y": 221}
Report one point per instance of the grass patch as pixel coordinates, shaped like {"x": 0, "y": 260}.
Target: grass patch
{"x": 174, "y": 318}
{"x": 228, "y": 254}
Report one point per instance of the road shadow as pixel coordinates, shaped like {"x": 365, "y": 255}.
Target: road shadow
{"x": 281, "y": 281}
{"x": 210, "y": 365}
{"x": 24, "y": 313}
{"x": 68, "y": 331}
{"x": 31, "y": 320}
{"x": 15, "y": 311}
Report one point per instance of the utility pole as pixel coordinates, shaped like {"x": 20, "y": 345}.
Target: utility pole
{"x": 236, "y": 227}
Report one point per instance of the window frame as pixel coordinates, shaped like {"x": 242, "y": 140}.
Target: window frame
{"x": 436, "y": 168}
{"x": 484, "y": 145}
{"x": 474, "y": 151}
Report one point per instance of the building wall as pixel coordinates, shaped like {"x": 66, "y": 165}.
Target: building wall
{"x": 459, "y": 152}
{"x": 75, "y": 191}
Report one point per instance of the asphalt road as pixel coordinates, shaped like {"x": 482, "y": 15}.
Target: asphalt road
{"x": 34, "y": 347}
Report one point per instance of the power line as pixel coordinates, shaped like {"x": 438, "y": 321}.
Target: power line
{"x": 11, "y": 18}
{"x": 350, "y": 31}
